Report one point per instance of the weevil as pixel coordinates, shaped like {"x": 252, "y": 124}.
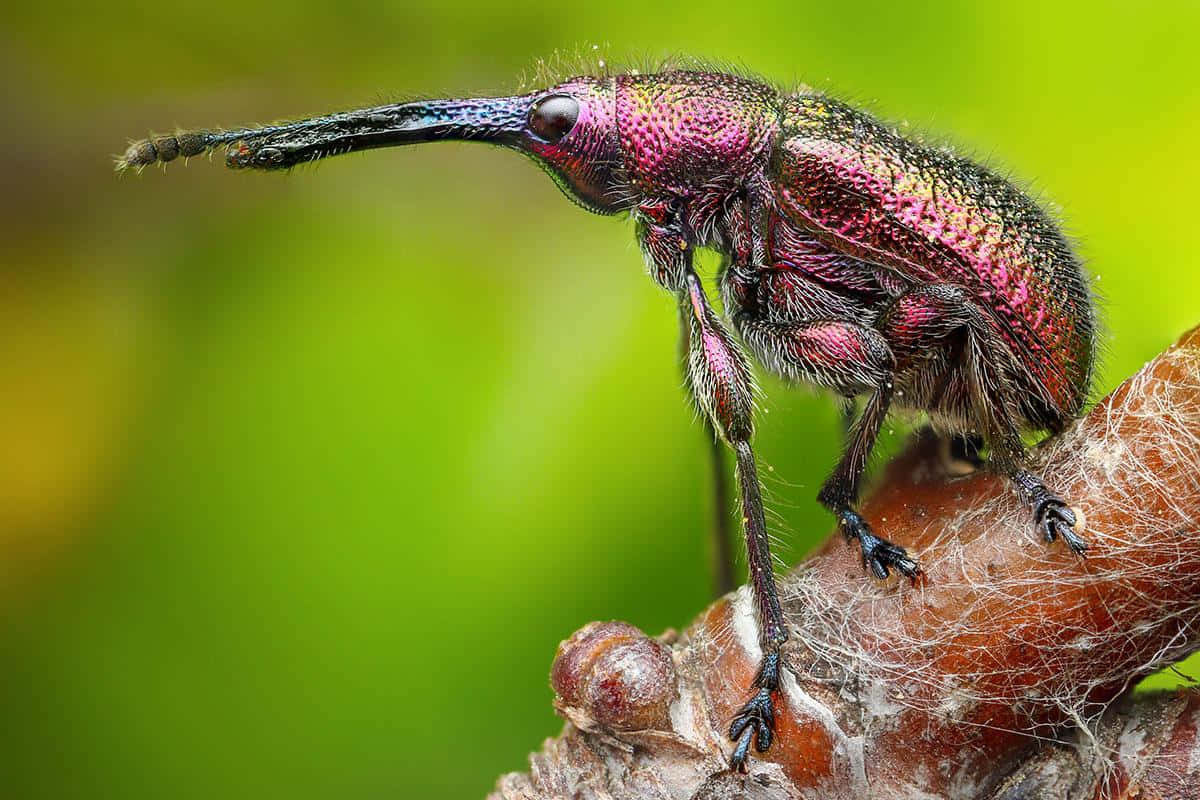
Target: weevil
{"x": 853, "y": 258}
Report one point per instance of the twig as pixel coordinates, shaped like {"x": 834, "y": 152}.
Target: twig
{"x": 1005, "y": 673}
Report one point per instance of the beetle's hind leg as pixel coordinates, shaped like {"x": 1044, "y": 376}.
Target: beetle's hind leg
{"x": 1051, "y": 514}
{"x": 993, "y": 381}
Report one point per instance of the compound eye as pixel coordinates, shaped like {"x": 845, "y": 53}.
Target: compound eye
{"x": 553, "y": 117}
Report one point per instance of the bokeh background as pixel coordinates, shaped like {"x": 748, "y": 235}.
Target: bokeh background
{"x": 304, "y": 476}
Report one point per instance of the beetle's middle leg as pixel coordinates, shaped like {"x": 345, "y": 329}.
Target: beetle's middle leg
{"x": 851, "y": 359}
{"x": 719, "y": 376}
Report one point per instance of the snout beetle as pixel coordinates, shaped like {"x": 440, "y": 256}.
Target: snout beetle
{"x": 854, "y": 258}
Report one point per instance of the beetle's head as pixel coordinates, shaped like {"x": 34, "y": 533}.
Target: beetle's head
{"x": 569, "y": 129}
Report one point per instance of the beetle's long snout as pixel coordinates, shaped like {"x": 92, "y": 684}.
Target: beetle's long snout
{"x": 499, "y": 120}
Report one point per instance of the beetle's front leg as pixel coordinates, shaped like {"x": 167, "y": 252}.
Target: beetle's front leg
{"x": 722, "y": 557}
{"x": 723, "y": 387}
{"x": 667, "y": 247}
{"x": 721, "y": 383}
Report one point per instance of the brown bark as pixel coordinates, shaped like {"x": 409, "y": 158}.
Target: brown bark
{"x": 1004, "y": 673}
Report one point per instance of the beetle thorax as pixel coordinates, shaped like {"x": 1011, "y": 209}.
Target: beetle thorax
{"x": 683, "y": 133}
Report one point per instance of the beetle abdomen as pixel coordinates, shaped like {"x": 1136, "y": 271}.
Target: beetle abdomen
{"x": 864, "y": 190}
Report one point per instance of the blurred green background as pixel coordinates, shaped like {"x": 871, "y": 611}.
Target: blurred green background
{"x": 305, "y": 476}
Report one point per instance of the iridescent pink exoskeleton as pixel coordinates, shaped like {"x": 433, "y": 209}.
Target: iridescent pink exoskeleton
{"x": 854, "y": 258}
